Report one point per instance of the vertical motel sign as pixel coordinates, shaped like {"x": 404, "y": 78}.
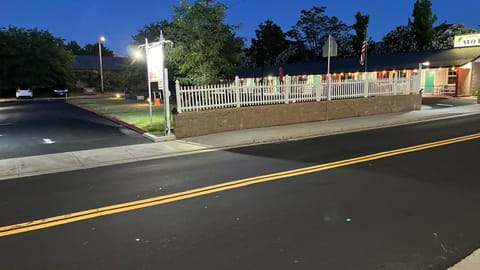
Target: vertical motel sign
{"x": 155, "y": 65}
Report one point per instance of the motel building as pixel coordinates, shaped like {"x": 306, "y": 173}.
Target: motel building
{"x": 454, "y": 72}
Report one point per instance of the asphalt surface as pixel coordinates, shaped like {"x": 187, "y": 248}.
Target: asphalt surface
{"x": 38, "y": 127}
{"x": 442, "y": 102}
{"x": 412, "y": 211}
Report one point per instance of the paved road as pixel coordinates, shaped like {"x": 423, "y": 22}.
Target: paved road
{"x": 42, "y": 127}
{"x": 417, "y": 210}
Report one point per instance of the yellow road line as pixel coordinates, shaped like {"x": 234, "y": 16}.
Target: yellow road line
{"x": 123, "y": 207}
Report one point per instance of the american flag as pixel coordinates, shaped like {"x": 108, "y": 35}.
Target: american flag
{"x": 363, "y": 54}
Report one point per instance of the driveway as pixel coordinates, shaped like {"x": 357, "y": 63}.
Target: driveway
{"x": 38, "y": 127}
{"x": 446, "y": 102}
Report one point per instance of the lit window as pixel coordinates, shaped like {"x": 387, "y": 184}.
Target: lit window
{"x": 452, "y": 76}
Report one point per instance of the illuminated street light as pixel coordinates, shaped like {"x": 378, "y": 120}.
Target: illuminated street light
{"x": 137, "y": 54}
{"x": 426, "y": 63}
{"x": 100, "y": 40}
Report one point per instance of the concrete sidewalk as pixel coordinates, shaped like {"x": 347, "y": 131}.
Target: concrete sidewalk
{"x": 69, "y": 161}
{"x": 314, "y": 129}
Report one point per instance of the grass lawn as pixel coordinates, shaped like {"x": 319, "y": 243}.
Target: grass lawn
{"x": 135, "y": 112}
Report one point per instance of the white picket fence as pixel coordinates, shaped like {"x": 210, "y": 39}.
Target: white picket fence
{"x": 196, "y": 98}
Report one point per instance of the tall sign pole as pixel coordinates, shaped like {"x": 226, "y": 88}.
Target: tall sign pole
{"x": 165, "y": 88}
{"x": 156, "y": 73}
{"x": 363, "y": 62}
{"x": 149, "y": 84}
{"x": 329, "y": 49}
{"x": 329, "y": 53}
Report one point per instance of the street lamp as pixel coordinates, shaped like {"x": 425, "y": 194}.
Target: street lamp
{"x": 426, "y": 64}
{"x": 100, "y": 40}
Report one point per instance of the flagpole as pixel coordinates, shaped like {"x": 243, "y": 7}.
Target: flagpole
{"x": 366, "y": 49}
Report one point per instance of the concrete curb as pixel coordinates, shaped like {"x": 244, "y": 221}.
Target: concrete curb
{"x": 113, "y": 119}
{"x": 154, "y": 138}
{"x": 83, "y": 159}
{"x": 249, "y": 137}
{"x": 472, "y": 262}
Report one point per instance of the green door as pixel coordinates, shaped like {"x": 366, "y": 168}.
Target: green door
{"x": 429, "y": 81}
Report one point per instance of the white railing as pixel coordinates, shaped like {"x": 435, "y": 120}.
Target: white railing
{"x": 195, "y": 98}
{"x": 439, "y": 90}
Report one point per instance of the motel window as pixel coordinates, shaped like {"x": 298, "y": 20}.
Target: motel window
{"x": 452, "y": 76}
{"x": 337, "y": 77}
{"x": 403, "y": 74}
{"x": 385, "y": 75}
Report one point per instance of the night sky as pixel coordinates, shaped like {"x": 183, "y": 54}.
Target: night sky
{"x": 84, "y": 21}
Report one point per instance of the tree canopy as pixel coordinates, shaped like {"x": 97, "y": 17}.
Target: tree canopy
{"x": 33, "y": 58}
{"x": 206, "y": 49}
{"x": 269, "y": 42}
{"x": 92, "y": 49}
{"x": 360, "y": 27}
{"x": 301, "y": 43}
{"x": 445, "y": 33}
{"x": 400, "y": 39}
{"x": 314, "y": 27}
{"x": 422, "y": 24}
{"x": 152, "y": 32}
{"x": 88, "y": 49}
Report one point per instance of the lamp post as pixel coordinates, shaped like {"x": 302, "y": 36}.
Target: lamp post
{"x": 149, "y": 86}
{"x": 420, "y": 65}
{"x": 100, "y": 40}
{"x": 162, "y": 76}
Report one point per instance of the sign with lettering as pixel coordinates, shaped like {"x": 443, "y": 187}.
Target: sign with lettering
{"x": 155, "y": 65}
{"x": 467, "y": 40}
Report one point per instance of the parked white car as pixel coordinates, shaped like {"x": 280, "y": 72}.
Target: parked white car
{"x": 60, "y": 92}
{"x": 24, "y": 93}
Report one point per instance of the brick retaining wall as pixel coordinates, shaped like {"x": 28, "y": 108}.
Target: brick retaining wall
{"x": 190, "y": 124}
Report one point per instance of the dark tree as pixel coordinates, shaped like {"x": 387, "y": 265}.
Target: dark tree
{"x": 74, "y": 48}
{"x": 268, "y": 44}
{"x": 360, "y": 27}
{"x": 445, "y": 33}
{"x": 314, "y": 27}
{"x": 206, "y": 49}
{"x": 422, "y": 24}
{"x": 152, "y": 32}
{"x": 310, "y": 28}
{"x": 33, "y": 58}
{"x": 92, "y": 49}
{"x": 401, "y": 39}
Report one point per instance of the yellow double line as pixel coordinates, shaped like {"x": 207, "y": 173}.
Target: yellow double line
{"x": 123, "y": 207}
